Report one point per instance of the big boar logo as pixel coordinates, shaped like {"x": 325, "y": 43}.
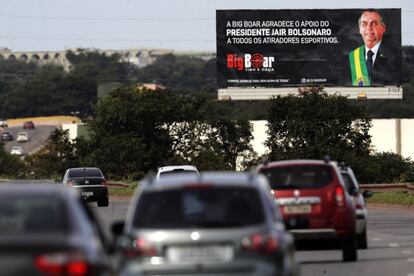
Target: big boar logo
{"x": 250, "y": 62}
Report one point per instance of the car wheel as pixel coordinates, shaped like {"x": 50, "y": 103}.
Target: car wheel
{"x": 363, "y": 240}
{"x": 103, "y": 202}
{"x": 349, "y": 249}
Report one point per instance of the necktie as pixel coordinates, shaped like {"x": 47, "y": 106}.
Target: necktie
{"x": 369, "y": 63}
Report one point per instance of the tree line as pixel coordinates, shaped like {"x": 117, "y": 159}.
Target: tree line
{"x": 134, "y": 130}
{"x": 30, "y": 90}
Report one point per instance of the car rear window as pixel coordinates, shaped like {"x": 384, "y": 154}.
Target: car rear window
{"x": 177, "y": 171}
{"x": 298, "y": 177}
{"x": 28, "y": 215}
{"x": 349, "y": 183}
{"x": 205, "y": 208}
{"x": 85, "y": 173}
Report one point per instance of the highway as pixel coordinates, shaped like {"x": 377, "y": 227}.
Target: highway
{"x": 37, "y": 137}
{"x": 390, "y": 246}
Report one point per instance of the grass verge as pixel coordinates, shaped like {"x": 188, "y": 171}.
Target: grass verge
{"x": 401, "y": 198}
{"x": 123, "y": 191}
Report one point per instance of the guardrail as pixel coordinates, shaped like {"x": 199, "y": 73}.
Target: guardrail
{"x": 391, "y": 187}
{"x": 117, "y": 184}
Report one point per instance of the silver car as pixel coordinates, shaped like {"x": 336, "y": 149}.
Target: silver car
{"x": 360, "y": 205}
{"x": 212, "y": 224}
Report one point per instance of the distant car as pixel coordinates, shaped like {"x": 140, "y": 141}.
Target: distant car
{"x": 218, "y": 223}
{"x": 360, "y": 204}
{"x": 7, "y": 136}
{"x": 3, "y": 124}
{"x": 171, "y": 170}
{"x": 91, "y": 183}
{"x": 46, "y": 229}
{"x": 17, "y": 150}
{"x": 28, "y": 125}
{"x": 22, "y": 136}
{"x": 315, "y": 204}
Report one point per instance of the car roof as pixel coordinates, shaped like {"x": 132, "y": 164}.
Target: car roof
{"x": 32, "y": 189}
{"x": 172, "y": 168}
{"x": 209, "y": 178}
{"x": 295, "y": 162}
{"x": 84, "y": 169}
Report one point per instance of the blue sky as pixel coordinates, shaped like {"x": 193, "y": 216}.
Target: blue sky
{"x": 35, "y": 25}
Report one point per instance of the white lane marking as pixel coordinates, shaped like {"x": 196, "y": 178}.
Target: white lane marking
{"x": 406, "y": 252}
{"x": 410, "y": 260}
{"x": 394, "y": 245}
{"x": 377, "y": 239}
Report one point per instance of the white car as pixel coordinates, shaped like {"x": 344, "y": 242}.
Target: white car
{"x": 22, "y": 136}
{"x": 3, "y": 124}
{"x": 17, "y": 151}
{"x": 169, "y": 170}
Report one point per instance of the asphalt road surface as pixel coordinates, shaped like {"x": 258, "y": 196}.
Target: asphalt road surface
{"x": 37, "y": 137}
{"x": 390, "y": 244}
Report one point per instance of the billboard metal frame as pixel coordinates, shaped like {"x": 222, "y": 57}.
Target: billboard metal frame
{"x": 265, "y": 93}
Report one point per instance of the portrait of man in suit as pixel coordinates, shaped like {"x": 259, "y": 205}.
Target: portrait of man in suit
{"x": 376, "y": 62}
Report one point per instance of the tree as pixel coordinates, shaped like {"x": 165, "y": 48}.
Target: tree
{"x": 315, "y": 124}
{"x": 11, "y": 166}
{"x": 55, "y": 157}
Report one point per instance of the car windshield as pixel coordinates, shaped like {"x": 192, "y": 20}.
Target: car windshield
{"x": 205, "y": 208}
{"x": 85, "y": 173}
{"x": 298, "y": 177}
{"x": 19, "y": 216}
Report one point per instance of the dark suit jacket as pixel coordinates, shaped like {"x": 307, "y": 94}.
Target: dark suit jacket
{"x": 387, "y": 65}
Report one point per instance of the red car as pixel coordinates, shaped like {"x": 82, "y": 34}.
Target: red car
{"x": 28, "y": 125}
{"x": 316, "y": 207}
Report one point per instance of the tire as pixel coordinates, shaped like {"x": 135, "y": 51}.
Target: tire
{"x": 363, "y": 240}
{"x": 103, "y": 202}
{"x": 349, "y": 249}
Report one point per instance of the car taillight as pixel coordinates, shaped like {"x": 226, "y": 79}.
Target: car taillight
{"x": 359, "y": 206}
{"x": 104, "y": 183}
{"x": 339, "y": 196}
{"x": 71, "y": 183}
{"x": 261, "y": 243}
{"x": 62, "y": 263}
{"x": 140, "y": 247}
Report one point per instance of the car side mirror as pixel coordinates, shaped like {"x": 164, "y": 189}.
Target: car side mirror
{"x": 353, "y": 192}
{"x": 117, "y": 228}
{"x": 367, "y": 194}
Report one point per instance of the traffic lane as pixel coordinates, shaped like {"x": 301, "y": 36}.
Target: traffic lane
{"x": 390, "y": 249}
{"x": 116, "y": 211}
{"x": 390, "y": 244}
{"x": 37, "y": 138}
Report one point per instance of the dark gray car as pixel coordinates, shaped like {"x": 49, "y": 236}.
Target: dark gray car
{"x": 48, "y": 230}
{"x": 212, "y": 224}
{"x": 91, "y": 183}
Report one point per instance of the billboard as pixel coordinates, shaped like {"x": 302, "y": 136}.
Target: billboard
{"x": 331, "y": 47}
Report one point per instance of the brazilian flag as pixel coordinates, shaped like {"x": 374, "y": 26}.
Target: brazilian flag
{"x": 359, "y": 70}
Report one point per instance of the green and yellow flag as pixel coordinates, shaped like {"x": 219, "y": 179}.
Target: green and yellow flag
{"x": 359, "y": 70}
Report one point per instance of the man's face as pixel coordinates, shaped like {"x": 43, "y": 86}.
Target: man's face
{"x": 371, "y": 28}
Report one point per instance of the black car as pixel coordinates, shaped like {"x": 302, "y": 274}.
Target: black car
{"x": 48, "y": 229}
{"x": 90, "y": 181}
{"x": 7, "y": 136}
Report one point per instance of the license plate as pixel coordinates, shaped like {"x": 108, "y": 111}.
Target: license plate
{"x": 213, "y": 253}
{"x": 87, "y": 193}
{"x": 297, "y": 209}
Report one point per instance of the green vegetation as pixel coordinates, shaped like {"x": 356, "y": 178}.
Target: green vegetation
{"x": 115, "y": 191}
{"x": 134, "y": 130}
{"x": 398, "y": 198}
